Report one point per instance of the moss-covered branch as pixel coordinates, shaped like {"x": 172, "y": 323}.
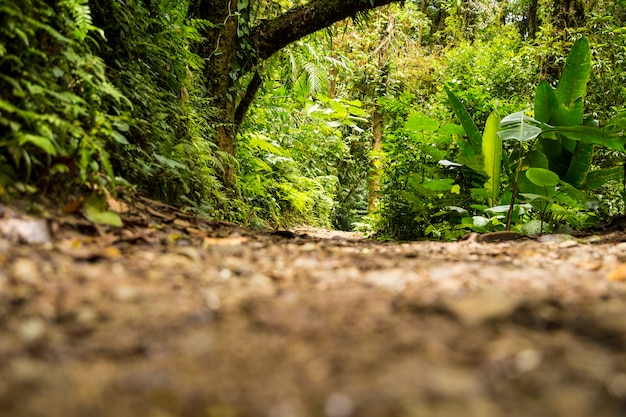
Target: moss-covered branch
{"x": 273, "y": 35}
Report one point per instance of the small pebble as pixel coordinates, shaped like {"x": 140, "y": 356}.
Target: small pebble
{"x": 338, "y": 405}
{"x": 32, "y": 330}
{"x": 25, "y": 270}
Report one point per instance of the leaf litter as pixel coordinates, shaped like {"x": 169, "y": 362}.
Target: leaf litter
{"x": 172, "y": 315}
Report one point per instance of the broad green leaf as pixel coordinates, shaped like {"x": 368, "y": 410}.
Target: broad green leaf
{"x": 533, "y": 227}
{"x": 617, "y": 125}
{"x": 572, "y": 85}
{"x": 119, "y": 138}
{"x": 591, "y": 135}
{"x": 41, "y": 142}
{"x": 542, "y": 177}
{"x": 546, "y": 102}
{"x": 492, "y": 152}
{"x": 557, "y": 156}
{"x": 421, "y": 123}
{"x": 96, "y": 212}
{"x": 498, "y": 209}
{"x": 444, "y": 184}
{"x": 579, "y": 165}
{"x": 596, "y": 179}
{"x": 474, "y": 162}
{"x": 480, "y": 221}
{"x": 359, "y": 113}
{"x": 563, "y": 116}
{"x": 104, "y": 217}
{"x": 518, "y": 126}
{"x": 537, "y": 159}
{"x": 472, "y": 132}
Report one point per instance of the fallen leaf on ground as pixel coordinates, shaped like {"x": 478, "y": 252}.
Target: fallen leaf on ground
{"x": 227, "y": 241}
{"x": 74, "y": 206}
{"x": 618, "y": 274}
{"x": 117, "y": 206}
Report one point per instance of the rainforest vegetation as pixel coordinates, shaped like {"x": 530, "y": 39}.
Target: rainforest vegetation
{"x": 413, "y": 119}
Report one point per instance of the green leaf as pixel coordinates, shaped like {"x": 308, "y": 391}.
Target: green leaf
{"x": 41, "y": 142}
{"x": 421, "y": 123}
{"x": 579, "y": 165}
{"x": 108, "y": 218}
{"x": 170, "y": 163}
{"x": 119, "y": 138}
{"x": 591, "y": 135}
{"x": 444, "y": 184}
{"x": 533, "y": 227}
{"x": 537, "y": 159}
{"x": 558, "y": 158}
{"x": 519, "y": 126}
{"x": 492, "y": 152}
{"x": 474, "y": 162}
{"x": 572, "y": 85}
{"x": 599, "y": 178}
{"x": 263, "y": 143}
{"x": 546, "y": 102}
{"x": 542, "y": 177}
{"x": 472, "y": 132}
{"x": 96, "y": 212}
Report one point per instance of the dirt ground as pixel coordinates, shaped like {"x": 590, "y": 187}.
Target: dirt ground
{"x": 175, "y": 316}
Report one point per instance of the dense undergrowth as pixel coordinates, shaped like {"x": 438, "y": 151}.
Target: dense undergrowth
{"x": 105, "y": 94}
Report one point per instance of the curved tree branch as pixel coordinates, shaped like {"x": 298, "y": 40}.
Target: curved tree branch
{"x": 273, "y": 35}
{"x": 246, "y": 100}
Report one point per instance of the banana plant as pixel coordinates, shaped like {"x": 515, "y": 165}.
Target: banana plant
{"x": 564, "y": 136}
{"x": 557, "y": 138}
{"x": 565, "y": 141}
{"x": 482, "y": 153}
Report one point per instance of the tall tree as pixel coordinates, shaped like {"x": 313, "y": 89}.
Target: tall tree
{"x": 234, "y": 48}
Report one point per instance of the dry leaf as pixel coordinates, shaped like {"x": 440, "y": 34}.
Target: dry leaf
{"x": 618, "y": 274}
{"x": 182, "y": 223}
{"x": 74, "y": 206}
{"x": 228, "y": 241}
{"x": 117, "y": 206}
{"x": 194, "y": 231}
{"x": 159, "y": 214}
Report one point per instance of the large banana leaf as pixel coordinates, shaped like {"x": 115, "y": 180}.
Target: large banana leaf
{"x": 596, "y": 179}
{"x": 550, "y": 110}
{"x": 492, "y": 152}
{"x": 590, "y": 135}
{"x": 537, "y": 159}
{"x": 518, "y": 126}
{"x": 546, "y": 102}
{"x": 572, "y": 85}
{"x": 579, "y": 165}
{"x": 473, "y": 134}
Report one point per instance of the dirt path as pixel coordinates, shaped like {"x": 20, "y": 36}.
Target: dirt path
{"x": 173, "y": 316}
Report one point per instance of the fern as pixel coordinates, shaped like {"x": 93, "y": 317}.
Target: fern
{"x": 79, "y": 9}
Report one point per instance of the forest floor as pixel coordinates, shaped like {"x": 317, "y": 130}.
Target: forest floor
{"x": 171, "y": 316}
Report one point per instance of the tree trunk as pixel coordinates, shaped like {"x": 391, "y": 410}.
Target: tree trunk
{"x": 232, "y": 49}
{"x": 220, "y": 48}
{"x": 374, "y": 173}
{"x": 377, "y": 117}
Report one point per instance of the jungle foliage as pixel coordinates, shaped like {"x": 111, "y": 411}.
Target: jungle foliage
{"x": 422, "y": 120}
